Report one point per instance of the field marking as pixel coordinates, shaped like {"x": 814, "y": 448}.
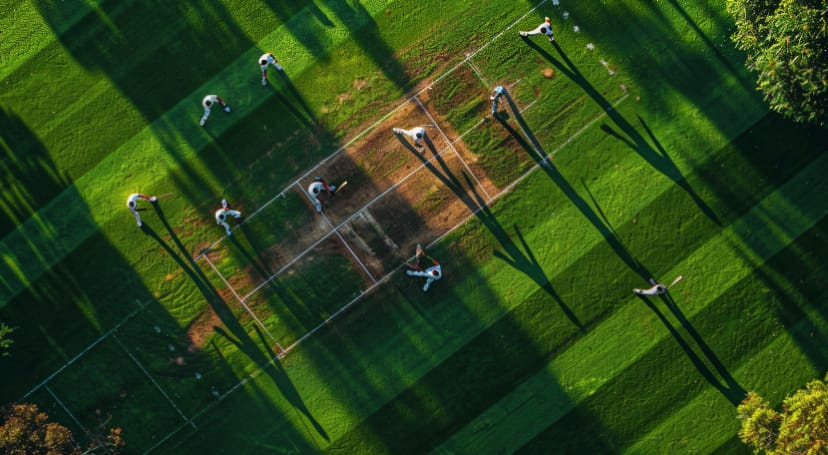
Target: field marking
{"x": 242, "y": 302}
{"x": 154, "y": 382}
{"x": 350, "y": 250}
{"x": 65, "y": 408}
{"x": 478, "y": 73}
{"x": 451, "y": 145}
{"x": 87, "y": 349}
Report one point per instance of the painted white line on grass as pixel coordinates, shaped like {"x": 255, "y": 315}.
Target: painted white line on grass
{"x": 56, "y": 398}
{"x": 242, "y": 302}
{"x": 338, "y": 234}
{"x": 87, "y": 349}
{"x": 218, "y": 400}
{"x": 477, "y": 72}
{"x": 154, "y": 382}
{"x": 451, "y": 145}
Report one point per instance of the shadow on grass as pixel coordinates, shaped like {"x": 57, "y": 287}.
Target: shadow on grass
{"x": 660, "y": 159}
{"x": 539, "y": 155}
{"x": 521, "y": 260}
{"x": 724, "y": 383}
{"x": 365, "y": 32}
{"x": 237, "y": 334}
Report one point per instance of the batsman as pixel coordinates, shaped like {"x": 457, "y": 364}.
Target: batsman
{"x": 432, "y": 273}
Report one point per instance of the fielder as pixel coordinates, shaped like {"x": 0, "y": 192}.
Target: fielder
{"x": 496, "y": 94}
{"x": 264, "y": 61}
{"x": 544, "y": 28}
{"x": 223, "y": 213}
{"x": 417, "y": 134}
{"x": 433, "y": 273}
{"x": 656, "y": 289}
{"x": 316, "y": 188}
{"x": 208, "y": 102}
{"x": 132, "y": 203}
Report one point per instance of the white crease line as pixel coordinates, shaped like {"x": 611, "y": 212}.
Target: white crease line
{"x": 242, "y": 302}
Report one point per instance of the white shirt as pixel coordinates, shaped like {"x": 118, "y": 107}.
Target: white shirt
{"x": 221, "y": 214}
{"x": 213, "y": 99}
{"x": 315, "y": 188}
{"x": 267, "y": 59}
{"x": 132, "y": 201}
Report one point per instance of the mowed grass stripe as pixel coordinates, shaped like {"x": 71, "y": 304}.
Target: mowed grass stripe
{"x": 611, "y": 347}
{"x": 738, "y": 323}
{"x": 797, "y": 346}
{"x": 30, "y": 249}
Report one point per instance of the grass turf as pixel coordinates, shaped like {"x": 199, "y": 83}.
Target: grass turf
{"x": 401, "y": 373}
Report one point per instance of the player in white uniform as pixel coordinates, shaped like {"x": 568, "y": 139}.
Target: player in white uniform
{"x": 496, "y": 94}
{"x": 417, "y": 134}
{"x": 264, "y": 61}
{"x": 656, "y": 289}
{"x": 223, "y": 213}
{"x": 316, "y": 188}
{"x": 544, "y": 28}
{"x": 132, "y": 204}
{"x": 433, "y": 273}
{"x": 208, "y": 102}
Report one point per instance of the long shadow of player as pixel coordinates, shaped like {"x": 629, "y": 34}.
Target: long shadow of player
{"x": 727, "y": 385}
{"x": 237, "y": 335}
{"x": 660, "y": 159}
{"x": 539, "y": 155}
{"x": 521, "y": 260}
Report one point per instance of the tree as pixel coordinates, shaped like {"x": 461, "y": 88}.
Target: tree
{"x": 5, "y": 341}
{"x": 801, "y": 427}
{"x": 787, "y": 45}
{"x": 24, "y": 430}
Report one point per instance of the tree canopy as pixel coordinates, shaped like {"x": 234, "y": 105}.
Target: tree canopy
{"x": 801, "y": 427}
{"x": 787, "y": 45}
{"x": 25, "y": 430}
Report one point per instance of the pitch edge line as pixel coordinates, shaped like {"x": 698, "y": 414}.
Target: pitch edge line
{"x": 256, "y": 318}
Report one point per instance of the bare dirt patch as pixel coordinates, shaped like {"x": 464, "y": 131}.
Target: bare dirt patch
{"x": 200, "y": 329}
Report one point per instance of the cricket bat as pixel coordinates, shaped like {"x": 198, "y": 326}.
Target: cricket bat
{"x": 678, "y": 278}
{"x": 342, "y": 185}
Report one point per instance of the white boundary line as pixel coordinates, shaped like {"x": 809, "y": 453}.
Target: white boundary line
{"x": 451, "y": 145}
{"x": 242, "y": 302}
{"x": 58, "y": 400}
{"x": 87, "y": 349}
{"x": 154, "y": 382}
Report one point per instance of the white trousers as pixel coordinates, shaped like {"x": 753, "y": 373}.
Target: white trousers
{"x": 427, "y": 273}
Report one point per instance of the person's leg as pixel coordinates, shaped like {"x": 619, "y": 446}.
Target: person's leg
{"x": 137, "y": 217}
{"x": 234, "y": 213}
{"x": 226, "y": 227}
{"x": 318, "y": 204}
{"x": 205, "y": 116}
{"x": 427, "y": 284}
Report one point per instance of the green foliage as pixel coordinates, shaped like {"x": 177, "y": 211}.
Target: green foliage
{"x": 5, "y": 342}
{"x": 787, "y": 45}
{"x": 801, "y": 427}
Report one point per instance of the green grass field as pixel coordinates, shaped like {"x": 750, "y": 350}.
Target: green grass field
{"x": 646, "y": 153}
